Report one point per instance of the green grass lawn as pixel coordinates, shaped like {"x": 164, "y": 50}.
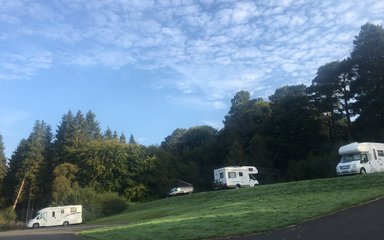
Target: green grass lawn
{"x": 239, "y": 211}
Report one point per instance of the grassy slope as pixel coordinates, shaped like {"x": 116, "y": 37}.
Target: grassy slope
{"x": 239, "y": 211}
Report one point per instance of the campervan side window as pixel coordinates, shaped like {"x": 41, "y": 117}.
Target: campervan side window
{"x": 62, "y": 211}
{"x": 380, "y": 153}
{"x": 231, "y": 174}
{"x": 221, "y": 175}
{"x": 53, "y": 214}
{"x": 73, "y": 210}
{"x": 365, "y": 158}
{"x": 250, "y": 169}
{"x": 240, "y": 174}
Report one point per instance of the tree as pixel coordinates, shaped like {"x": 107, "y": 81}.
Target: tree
{"x": 132, "y": 140}
{"x": 108, "y": 134}
{"x": 368, "y": 56}
{"x": 92, "y": 126}
{"x": 30, "y": 171}
{"x": 3, "y": 161}
{"x": 330, "y": 93}
{"x": 13, "y": 179}
{"x": 64, "y": 138}
{"x": 37, "y": 166}
{"x": 64, "y": 185}
{"x": 294, "y": 127}
{"x": 122, "y": 138}
{"x": 246, "y": 119}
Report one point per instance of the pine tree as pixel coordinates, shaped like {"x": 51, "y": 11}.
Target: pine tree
{"x": 3, "y": 161}
{"x": 132, "y": 140}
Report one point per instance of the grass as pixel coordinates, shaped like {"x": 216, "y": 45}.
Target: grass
{"x": 239, "y": 211}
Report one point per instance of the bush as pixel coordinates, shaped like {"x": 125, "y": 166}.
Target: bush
{"x": 7, "y": 218}
{"x": 97, "y": 205}
{"x": 112, "y": 204}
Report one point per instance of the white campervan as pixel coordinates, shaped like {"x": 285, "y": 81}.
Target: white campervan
{"x": 56, "y": 216}
{"x": 366, "y": 157}
{"x": 235, "y": 177}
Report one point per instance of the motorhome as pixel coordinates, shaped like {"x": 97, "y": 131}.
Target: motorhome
{"x": 366, "y": 157}
{"x": 235, "y": 177}
{"x": 56, "y": 216}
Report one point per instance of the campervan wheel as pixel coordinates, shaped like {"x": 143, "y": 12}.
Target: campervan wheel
{"x": 65, "y": 223}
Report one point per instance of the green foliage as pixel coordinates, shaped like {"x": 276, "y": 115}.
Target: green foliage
{"x": 97, "y": 205}
{"x": 8, "y": 219}
{"x": 331, "y": 94}
{"x": 3, "y": 161}
{"x": 368, "y": 56}
{"x": 7, "y": 216}
{"x": 112, "y": 204}
{"x": 64, "y": 185}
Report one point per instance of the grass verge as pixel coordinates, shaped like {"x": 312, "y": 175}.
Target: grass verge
{"x": 239, "y": 211}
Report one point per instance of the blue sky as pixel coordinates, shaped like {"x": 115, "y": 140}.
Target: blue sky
{"x": 148, "y": 67}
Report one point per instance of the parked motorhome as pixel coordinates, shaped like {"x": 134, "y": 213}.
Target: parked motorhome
{"x": 56, "y": 216}
{"x": 366, "y": 157}
{"x": 181, "y": 188}
{"x": 235, "y": 177}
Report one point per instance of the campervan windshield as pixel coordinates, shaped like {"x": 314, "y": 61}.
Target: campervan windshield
{"x": 353, "y": 157}
{"x": 252, "y": 176}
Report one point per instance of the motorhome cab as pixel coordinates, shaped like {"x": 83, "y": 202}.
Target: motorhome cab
{"x": 361, "y": 158}
{"x": 56, "y": 216}
{"x": 235, "y": 177}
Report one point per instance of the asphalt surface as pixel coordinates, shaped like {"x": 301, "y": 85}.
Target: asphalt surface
{"x": 48, "y": 233}
{"x": 364, "y": 222}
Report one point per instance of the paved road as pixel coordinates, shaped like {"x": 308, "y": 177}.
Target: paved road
{"x": 364, "y": 222}
{"x": 49, "y": 233}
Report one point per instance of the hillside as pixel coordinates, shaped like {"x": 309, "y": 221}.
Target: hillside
{"x": 239, "y": 211}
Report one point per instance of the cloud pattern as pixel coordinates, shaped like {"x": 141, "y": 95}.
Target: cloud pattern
{"x": 213, "y": 48}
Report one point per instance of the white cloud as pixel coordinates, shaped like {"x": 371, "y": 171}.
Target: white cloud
{"x": 23, "y": 65}
{"x": 219, "y": 47}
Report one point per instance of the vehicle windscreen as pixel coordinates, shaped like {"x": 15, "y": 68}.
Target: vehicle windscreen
{"x": 252, "y": 176}
{"x": 351, "y": 158}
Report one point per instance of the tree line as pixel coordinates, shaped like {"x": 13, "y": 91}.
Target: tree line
{"x": 293, "y": 135}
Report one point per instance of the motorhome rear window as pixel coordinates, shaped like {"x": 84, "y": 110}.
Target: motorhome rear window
{"x": 73, "y": 210}
{"x": 231, "y": 174}
{"x": 380, "y": 153}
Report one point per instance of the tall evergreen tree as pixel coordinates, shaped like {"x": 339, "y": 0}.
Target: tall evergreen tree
{"x": 37, "y": 167}
{"x": 92, "y": 126}
{"x": 3, "y": 161}
{"x": 122, "y": 138}
{"x": 13, "y": 179}
{"x": 108, "y": 134}
{"x": 64, "y": 138}
{"x": 132, "y": 140}
{"x": 294, "y": 127}
{"x": 330, "y": 93}
{"x": 368, "y": 55}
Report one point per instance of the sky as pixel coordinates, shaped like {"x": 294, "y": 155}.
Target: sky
{"x": 147, "y": 67}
